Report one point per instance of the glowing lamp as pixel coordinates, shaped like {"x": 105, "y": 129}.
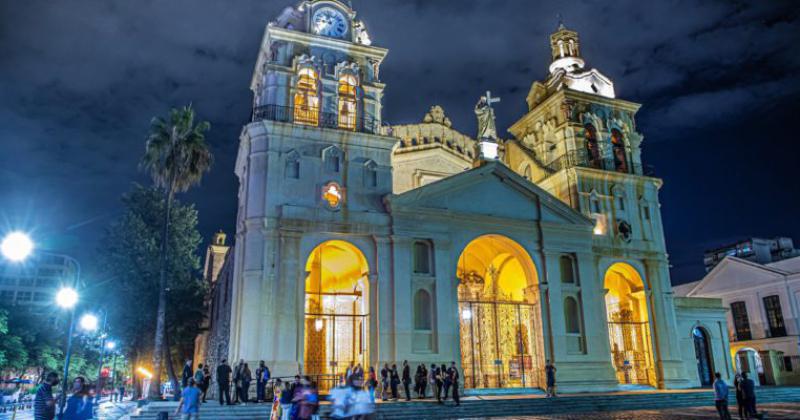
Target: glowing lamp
{"x": 144, "y": 372}
{"x": 89, "y": 322}
{"x": 16, "y": 246}
{"x": 318, "y": 324}
{"x": 111, "y": 345}
{"x": 66, "y": 297}
{"x": 466, "y": 314}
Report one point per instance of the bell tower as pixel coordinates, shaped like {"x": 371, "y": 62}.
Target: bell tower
{"x": 313, "y": 164}
{"x": 581, "y": 143}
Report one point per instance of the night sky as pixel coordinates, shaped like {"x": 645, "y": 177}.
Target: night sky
{"x": 719, "y": 83}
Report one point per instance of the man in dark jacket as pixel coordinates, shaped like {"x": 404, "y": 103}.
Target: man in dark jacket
{"x": 237, "y": 381}
{"x": 262, "y": 377}
{"x": 224, "y": 381}
{"x": 407, "y": 379}
{"x": 187, "y": 374}
{"x": 749, "y": 391}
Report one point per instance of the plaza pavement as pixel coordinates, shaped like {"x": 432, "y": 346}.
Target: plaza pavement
{"x": 773, "y": 410}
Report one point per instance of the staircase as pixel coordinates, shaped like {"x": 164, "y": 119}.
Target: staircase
{"x": 498, "y": 406}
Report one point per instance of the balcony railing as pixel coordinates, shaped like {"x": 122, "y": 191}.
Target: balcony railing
{"x": 581, "y": 159}
{"x": 314, "y": 118}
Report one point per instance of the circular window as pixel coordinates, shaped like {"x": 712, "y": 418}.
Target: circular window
{"x": 333, "y": 195}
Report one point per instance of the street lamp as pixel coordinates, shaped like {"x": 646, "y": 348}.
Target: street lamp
{"x": 17, "y": 246}
{"x": 89, "y": 322}
{"x": 111, "y": 345}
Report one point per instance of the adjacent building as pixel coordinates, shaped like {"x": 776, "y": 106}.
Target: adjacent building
{"x": 757, "y": 250}
{"x": 763, "y": 302}
{"x": 358, "y": 242}
{"x": 34, "y": 283}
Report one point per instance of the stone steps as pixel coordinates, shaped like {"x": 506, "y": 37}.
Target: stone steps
{"x": 500, "y": 406}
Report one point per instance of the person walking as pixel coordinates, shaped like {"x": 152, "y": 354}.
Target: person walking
{"x": 407, "y": 380}
{"x": 550, "y": 374}
{"x": 224, "y": 381}
{"x": 246, "y": 377}
{"x": 187, "y": 374}
{"x": 749, "y": 391}
{"x": 358, "y": 377}
{"x": 275, "y": 411}
{"x": 189, "y": 405}
{"x": 262, "y": 377}
{"x": 79, "y": 404}
{"x": 237, "y": 381}
{"x": 206, "y": 381}
{"x": 385, "y": 381}
{"x": 286, "y": 401}
{"x": 454, "y": 376}
{"x": 44, "y": 404}
{"x": 394, "y": 382}
{"x": 372, "y": 382}
{"x": 721, "y": 397}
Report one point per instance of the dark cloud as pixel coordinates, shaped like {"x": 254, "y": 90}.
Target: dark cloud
{"x": 80, "y": 80}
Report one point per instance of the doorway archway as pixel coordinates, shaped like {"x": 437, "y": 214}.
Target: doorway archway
{"x": 628, "y": 326}
{"x": 500, "y": 316}
{"x": 336, "y": 311}
{"x": 702, "y": 352}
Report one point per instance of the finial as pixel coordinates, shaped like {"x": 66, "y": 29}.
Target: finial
{"x": 561, "y": 26}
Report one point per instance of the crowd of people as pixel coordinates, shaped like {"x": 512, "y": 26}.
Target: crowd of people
{"x": 745, "y": 389}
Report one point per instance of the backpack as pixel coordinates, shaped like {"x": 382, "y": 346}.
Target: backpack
{"x": 198, "y": 377}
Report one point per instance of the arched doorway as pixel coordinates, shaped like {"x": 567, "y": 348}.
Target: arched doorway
{"x": 500, "y": 317}
{"x": 628, "y": 326}
{"x": 702, "y": 352}
{"x": 748, "y": 360}
{"x": 336, "y": 311}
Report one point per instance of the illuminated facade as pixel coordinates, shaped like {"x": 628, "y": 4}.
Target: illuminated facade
{"x": 363, "y": 243}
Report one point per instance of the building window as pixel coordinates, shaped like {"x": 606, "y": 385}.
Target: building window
{"x": 621, "y": 203}
{"x": 422, "y": 258}
{"x": 787, "y": 363}
{"x": 422, "y": 310}
{"x": 306, "y": 98}
{"x": 646, "y": 212}
{"x": 618, "y": 149}
{"x": 567, "y": 266}
{"x": 572, "y": 315}
{"x": 595, "y": 204}
{"x": 772, "y": 305}
{"x": 371, "y": 174}
{"x": 592, "y": 149}
{"x": 741, "y": 323}
{"x": 292, "y": 170}
{"x": 332, "y": 158}
{"x": 347, "y": 102}
{"x": 527, "y": 173}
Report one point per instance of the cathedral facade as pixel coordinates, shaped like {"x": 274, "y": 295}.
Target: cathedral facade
{"x": 359, "y": 242}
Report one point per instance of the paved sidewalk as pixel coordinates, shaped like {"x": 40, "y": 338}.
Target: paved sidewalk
{"x": 774, "y": 410}
{"x": 106, "y": 411}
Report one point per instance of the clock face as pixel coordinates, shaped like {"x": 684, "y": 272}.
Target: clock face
{"x": 329, "y": 22}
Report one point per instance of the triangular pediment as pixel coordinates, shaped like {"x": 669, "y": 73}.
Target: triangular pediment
{"x": 491, "y": 190}
{"x": 733, "y": 274}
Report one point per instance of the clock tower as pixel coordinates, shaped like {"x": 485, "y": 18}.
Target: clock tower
{"x": 313, "y": 166}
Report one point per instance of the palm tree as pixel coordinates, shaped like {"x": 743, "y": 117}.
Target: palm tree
{"x": 176, "y": 156}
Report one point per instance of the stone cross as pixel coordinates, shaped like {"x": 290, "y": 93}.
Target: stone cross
{"x": 490, "y": 100}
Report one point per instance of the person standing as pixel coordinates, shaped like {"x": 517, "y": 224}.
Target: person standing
{"x": 79, "y": 404}
{"x": 740, "y": 402}
{"x": 372, "y": 382}
{"x": 262, "y": 377}
{"x": 418, "y": 380}
{"x": 358, "y": 377}
{"x": 286, "y": 401}
{"x": 44, "y": 404}
{"x": 454, "y": 376}
{"x": 198, "y": 377}
{"x": 189, "y": 405}
{"x": 385, "y": 381}
{"x": 206, "y": 381}
{"x": 224, "y": 381}
{"x": 721, "y": 397}
{"x": 446, "y": 382}
{"x": 437, "y": 375}
{"x": 237, "y": 381}
{"x": 749, "y": 391}
{"x": 395, "y": 382}
{"x": 187, "y": 374}
{"x": 407, "y": 380}
{"x": 550, "y": 373}
{"x": 246, "y": 377}
{"x": 424, "y": 383}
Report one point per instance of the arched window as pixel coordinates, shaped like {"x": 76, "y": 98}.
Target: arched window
{"x": 332, "y": 158}
{"x": 567, "y": 267}
{"x": 618, "y": 148}
{"x": 592, "y": 148}
{"x": 306, "y": 97}
{"x": 572, "y": 318}
{"x": 292, "y": 168}
{"x": 422, "y": 257}
{"x": 371, "y": 174}
{"x": 347, "y": 102}
{"x": 527, "y": 173}
{"x": 422, "y": 310}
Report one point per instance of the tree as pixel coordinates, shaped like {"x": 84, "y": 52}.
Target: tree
{"x": 130, "y": 254}
{"x": 176, "y": 156}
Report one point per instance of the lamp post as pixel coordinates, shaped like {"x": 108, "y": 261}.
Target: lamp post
{"x": 17, "y": 246}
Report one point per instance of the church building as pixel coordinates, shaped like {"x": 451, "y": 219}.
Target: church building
{"x": 359, "y": 242}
